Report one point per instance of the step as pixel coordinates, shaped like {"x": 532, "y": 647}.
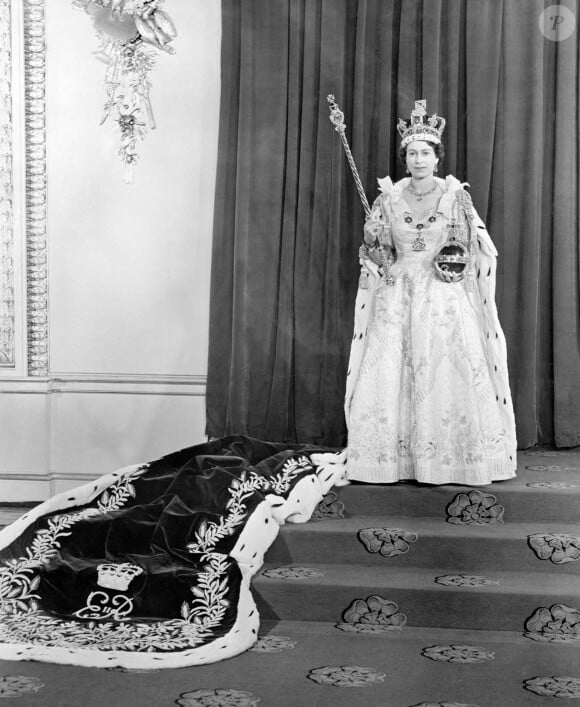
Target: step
{"x": 440, "y": 545}
{"x": 397, "y": 667}
{"x": 504, "y": 606}
{"x": 521, "y": 502}
{"x": 411, "y": 679}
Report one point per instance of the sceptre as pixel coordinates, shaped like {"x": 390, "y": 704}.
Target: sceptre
{"x": 337, "y": 119}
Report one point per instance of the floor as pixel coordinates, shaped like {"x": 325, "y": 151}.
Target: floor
{"x": 394, "y": 596}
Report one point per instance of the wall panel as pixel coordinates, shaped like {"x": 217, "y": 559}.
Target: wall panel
{"x": 127, "y": 302}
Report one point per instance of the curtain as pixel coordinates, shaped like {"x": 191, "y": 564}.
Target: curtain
{"x": 288, "y": 220}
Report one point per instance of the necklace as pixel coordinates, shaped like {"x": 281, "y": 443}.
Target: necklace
{"x": 419, "y": 242}
{"x": 419, "y": 195}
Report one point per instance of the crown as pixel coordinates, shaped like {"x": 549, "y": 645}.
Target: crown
{"x": 421, "y": 126}
{"x": 117, "y": 576}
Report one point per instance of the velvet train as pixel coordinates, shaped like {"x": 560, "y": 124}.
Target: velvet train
{"x": 150, "y": 566}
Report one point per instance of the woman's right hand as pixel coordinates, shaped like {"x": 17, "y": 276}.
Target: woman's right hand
{"x": 373, "y": 230}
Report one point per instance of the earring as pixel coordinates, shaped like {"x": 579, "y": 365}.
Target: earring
{"x": 407, "y": 171}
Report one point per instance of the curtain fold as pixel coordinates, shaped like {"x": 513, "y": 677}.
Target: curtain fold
{"x": 566, "y": 252}
{"x": 288, "y": 218}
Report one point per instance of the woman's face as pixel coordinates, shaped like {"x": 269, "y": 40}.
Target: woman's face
{"x": 421, "y": 160}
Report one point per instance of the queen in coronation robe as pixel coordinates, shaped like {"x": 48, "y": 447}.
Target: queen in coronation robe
{"x": 427, "y": 395}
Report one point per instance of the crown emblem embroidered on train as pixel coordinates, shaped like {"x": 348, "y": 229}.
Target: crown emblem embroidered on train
{"x": 117, "y": 576}
{"x": 421, "y": 126}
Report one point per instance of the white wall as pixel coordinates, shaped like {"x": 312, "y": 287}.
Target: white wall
{"x": 129, "y": 265}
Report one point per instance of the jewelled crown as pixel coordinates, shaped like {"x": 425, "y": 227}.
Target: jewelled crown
{"x": 118, "y": 577}
{"x": 421, "y": 126}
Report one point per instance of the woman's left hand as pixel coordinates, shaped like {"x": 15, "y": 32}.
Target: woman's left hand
{"x": 450, "y": 276}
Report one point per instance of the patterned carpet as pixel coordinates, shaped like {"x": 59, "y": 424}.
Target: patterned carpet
{"x": 394, "y": 596}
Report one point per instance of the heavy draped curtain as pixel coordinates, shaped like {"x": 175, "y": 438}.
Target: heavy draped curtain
{"x": 288, "y": 220}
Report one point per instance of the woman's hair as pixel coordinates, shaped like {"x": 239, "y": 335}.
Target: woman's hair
{"x": 438, "y": 149}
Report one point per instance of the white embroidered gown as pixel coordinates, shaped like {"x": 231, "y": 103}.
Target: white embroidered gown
{"x": 428, "y": 394}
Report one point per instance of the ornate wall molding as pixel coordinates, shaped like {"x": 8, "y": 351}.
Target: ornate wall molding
{"x": 7, "y": 287}
{"x": 36, "y": 228}
{"x": 107, "y": 384}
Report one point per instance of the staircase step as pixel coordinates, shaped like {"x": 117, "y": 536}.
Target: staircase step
{"x": 441, "y": 545}
{"x": 521, "y": 502}
{"x": 504, "y": 606}
{"x": 410, "y": 677}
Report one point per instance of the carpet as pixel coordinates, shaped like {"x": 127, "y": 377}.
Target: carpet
{"x": 393, "y": 596}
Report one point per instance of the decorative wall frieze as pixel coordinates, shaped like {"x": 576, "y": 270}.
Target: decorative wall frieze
{"x": 7, "y": 288}
{"x": 35, "y": 149}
